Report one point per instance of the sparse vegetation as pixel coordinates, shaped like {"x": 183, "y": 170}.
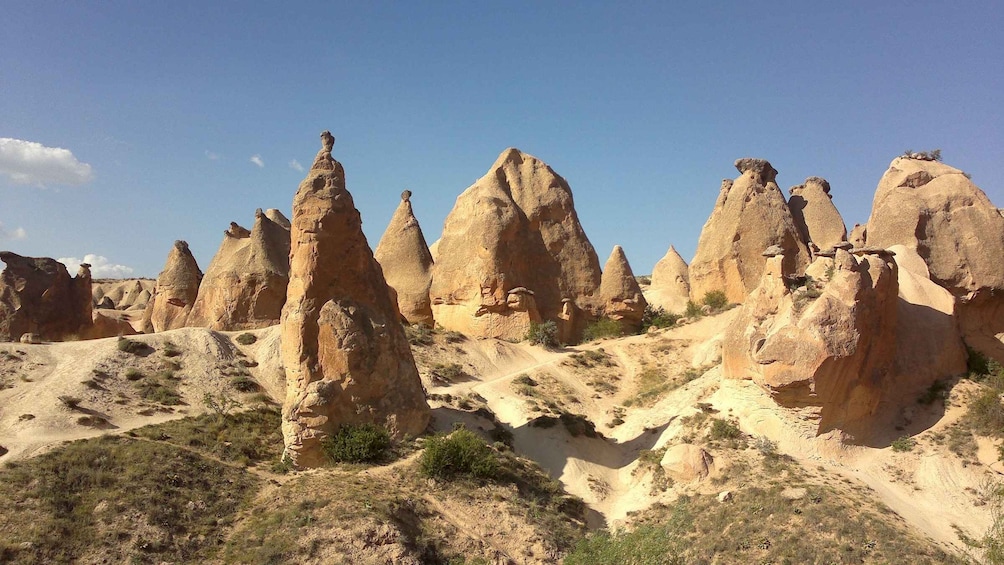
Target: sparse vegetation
{"x": 246, "y": 338}
{"x": 693, "y": 310}
{"x": 715, "y": 299}
{"x": 133, "y": 374}
{"x": 544, "y": 334}
{"x": 356, "y": 444}
{"x": 904, "y": 443}
{"x": 462, "y": 453}
{"x": 724, "y": 430}
{"x": 419, "y": 334}
{"x": 937, "y": 392}
{"x": 170, "y": 350}
{"x": 221, "y": 405}
{"x": 602, "y": 328}
{"x": 134, "y": 347}
{"x": 243, "y": 383}
{"x": 451, "y": 336}
{"x": 71, "y": 402}
{"x": 932, "y": 155}
{"x": 657, "y": 317}
{"x": 444, "y": 375}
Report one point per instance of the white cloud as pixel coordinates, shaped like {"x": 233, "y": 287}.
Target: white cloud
{"x": 295, "y": 165}
{"x": 14, "y": 234}
{"x": 256, "y": 159}
{"x": 101, "y": 267}
{"x": 29, "y": 162}
{"x": 212, "y": 156}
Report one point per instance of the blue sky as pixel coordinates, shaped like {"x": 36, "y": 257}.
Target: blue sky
{"x": 641, "y": 106}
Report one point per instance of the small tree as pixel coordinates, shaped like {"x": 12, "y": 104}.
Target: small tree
{"x": 544, "y": 334}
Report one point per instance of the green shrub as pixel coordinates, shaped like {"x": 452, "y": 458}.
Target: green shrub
{"x": 461, "y": 453}
{"x": 246, "y": 338}
{"x": 544, "y": 334}
{"x": 603, "y": 327}
{"x": 904, "y": 443}
{"x": 524, "y": 379}
{"x": 245, "y": 384}
{"x": 986, "y": 413}
{"x": 715, "y": 299}
{"x": 134, "y": 374}
{"x": 980, "y": 366}
{"x": 418, "y": 334}
{"x": 656, "y": 316}
{"x": 724, "y": 429}
{"x": 356, "y": 443}
{"x": 171, "y": 350}
{"x": 693, "y": 310}
{"x": 127, "y": 345}
{"x": 447, "y": 374}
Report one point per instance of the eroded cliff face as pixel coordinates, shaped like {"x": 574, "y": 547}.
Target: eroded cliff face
{"x": 346, "y": 356}
{"x": 38, "y": 296}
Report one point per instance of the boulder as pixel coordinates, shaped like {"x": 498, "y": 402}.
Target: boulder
{"x": 407, "y": 263}
{"x": 687, "y": 462}
{"x": 826, "y": 348}
{"x": 620, "y": 294}
{"x": 670, "y": 288}
{"x": 750, "y": 215}
{"x": 815, "y": 216}
{"x": 38, "y": 296}
{"x": 515, "y": 227}
{"x": 175, "y": 292}
{"x": 244, "y": 287}
{"x": 347, "y": 359}
{"x": 859, "y": 235}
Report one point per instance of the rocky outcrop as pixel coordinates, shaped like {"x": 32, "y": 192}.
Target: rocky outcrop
{"x": 175, "y": 292}
{"x": 670, "y": 288}
{"x": 859, "y": 235}
{"x": 750, "y": 215}
{"x": 346, "y": 356}
{"x": 37, "y": 296}
{"x": 407, "y": 263}
{"x": 245, "y": 285}
{"x": 814, "y": 214}
{"x": 825, "y": 346}
{"x": 516, "y": 227}
{"x": 620, "y": 294}
{"x": 935, "y": 210}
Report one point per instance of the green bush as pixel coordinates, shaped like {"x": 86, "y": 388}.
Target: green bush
{"x": 126, "y": 345}
{"x": 980, "y": 366}
{"x": 171, "y": 350}
{"x": 461, "y": 453}
{"x": 693, "y": 310}
{"x": 724, "y": 429}
{"x": 544, "y": 334}
{"x": 246, "y": 338}
{"x": 715, "y": 299}
{"x": 134, "y": 374}
{"x": 986, "y": 413}
{"x": 603, "y": 327}
{"x": 904, "y": 443}
{"x": 656, "y": 316}
{"x": 356, "y": 443}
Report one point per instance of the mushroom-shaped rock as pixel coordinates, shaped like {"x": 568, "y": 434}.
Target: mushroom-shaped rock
{"x": 175, "y": 293}
{"x": 347, "y": 359}
{"x": 38, "y": 296}
{"x": 749, "y": 216}
{"x": 670, "y": 288}
{"x": 245, "y": 284}
{"x": 516, "y": 226}
{"x": 622, "y": 297}
{"x": 407, "y": 263}
{"x": 815, "y": 216}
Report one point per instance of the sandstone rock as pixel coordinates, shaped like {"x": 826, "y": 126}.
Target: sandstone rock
{"x": 515, "y": 227}
{"x": 105, "y": 304}
{"x": 346, "y": 356}
{"x": 670, "y": 288}
{"x": 175, "y": 293}
{"x": 815, "y": 215}
{"x": 831, "y": 348}
{"x": 859, "y": 235}
{"x": 935, "y": 210}
{"x": 622, "y": 297}
{"x": 687, "y": 462}
{"x": 245, "y": 285}
{"x": 127, "y": 294}
{"x": 750, "y": 215}
{"x": 108, "y": 326}
{"x": 724, "y": 496}
{"x": 37, "y": 296}
{"x": 407, "y": 263}
{"x": 30, "y": 338}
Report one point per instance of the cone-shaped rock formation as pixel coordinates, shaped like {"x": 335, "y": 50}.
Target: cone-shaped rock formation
{"x": 346, "y": 356}
{"x": 175, "y": 293}
{"x": 37, "y": 296}
{"x": 670, "y": 288}
{"x": 245, "y": 284}
{"x": 815, "y": 216}
{"x": 622, "y": 297}
{"x": 407, "y": 263}
{"x": 515, "y": 228}
{"x": 750, "y": 215}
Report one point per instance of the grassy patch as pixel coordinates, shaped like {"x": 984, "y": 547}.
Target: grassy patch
{"x": 243, "y": 438}
{"x": 160, "y": 389}
{"x": 904, "y": 443}
{"x": 419, "y": 334}
{"x": 445, "y": 375}
{"x": 602, "y": 328}
{"x": 134, "y": 347}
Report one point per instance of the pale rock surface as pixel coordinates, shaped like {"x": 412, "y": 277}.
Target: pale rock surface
{"x": 244, "y": 287}
{"x": 622, "y": 297}
{"x": 815, "y": 215}
{"x": 670, "y": 288}
{"x": 346, "y": 357}
{"x": 407, "y": 263}
{"x": 687, "y": 462}
{"x": 859, "y": 235}
{"x": 750, "y": 215}
{"x": 124, "y": 294}
{"x": 38, "y": 296}
{"x": 831, "y": 356}
{"x": 516, "y": 227}
{"x": 175, "y": 292}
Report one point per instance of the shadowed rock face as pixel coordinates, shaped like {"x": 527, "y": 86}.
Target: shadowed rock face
{"x": 815, "y": 216}
{"x": 750, "y": 215}
{"x": 175, "y": 293}
{"x": 346, "y": 356}
{"x": 670, "y": 287}
{"x": 622, "y": 297}
{"x": 38, "y": 296}
{"x": 245, "y": 284}
{"x": 516, "y": 227}
{"x": 407, "y": 264}
{"x": 936, "y": 211}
